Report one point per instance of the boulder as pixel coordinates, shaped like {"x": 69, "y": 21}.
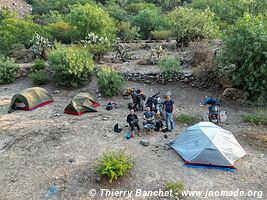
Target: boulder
{"x": 233, "y": 93}
{"x": 144, "y": 142}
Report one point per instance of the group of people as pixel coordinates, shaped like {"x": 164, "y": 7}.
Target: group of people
{"x": 150, "y": 117}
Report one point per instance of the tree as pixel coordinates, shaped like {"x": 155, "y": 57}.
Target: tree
{"x": 245, "y": 46}
{"x": 187, "y": 24}
{"x": 91, "y": 18}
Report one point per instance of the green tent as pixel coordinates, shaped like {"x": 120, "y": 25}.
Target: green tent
{"x": 82, "y": 103}
{"x": 30, "y": 99}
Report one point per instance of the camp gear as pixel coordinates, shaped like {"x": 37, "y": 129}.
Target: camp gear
{"x": 82, "y": 103}
{"x": 117, "y": 129}
{"x": 109, "y": 106}
{"x": 30, "y": 99}
{"x": 155, "y": 103}
{"x": 128, "y": 135}
{"x": 159, "y": 125}
{"x": 208, "y": 144}
{"x": 223, "y": 116}
{"x": 214, "y": 109}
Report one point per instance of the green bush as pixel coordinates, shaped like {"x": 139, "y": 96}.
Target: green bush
{"x": 91, "y": 18}
{"x": 176, "y": 187}
{"x": 8, "y": 70}
{"x": 169, "y": 66}
{"x": 62, "y": 32}
{"x": 258, "y": 118}
{"x": 245, "y": 47}
{"x": 186, "y": 119}
{"x": 230, "y": 11}
{"x": 114, "y": 165}
{"x": 160, "y": 35}
{"x": 110, "y": 81}
{"x": 70, "y": 65}
{"x": 187, "y": 24}
{"x": 39, "y": 77}
{"x": 117, "y": 12}
{"x": 149, "y": 20}
{"x": 14, "y": 30}
{"x": 39, "y": 64}
{"x": 127, "y": 32}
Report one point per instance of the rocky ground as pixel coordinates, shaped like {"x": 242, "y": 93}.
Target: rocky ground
{"x": 18, "y": 5}
{"x": 45, "y": 146}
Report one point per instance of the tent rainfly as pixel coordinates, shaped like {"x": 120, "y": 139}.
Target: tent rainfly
{"x": 208, "y": 144}
{"x": 81, "y": 103}
{"x": 30, "y": 99}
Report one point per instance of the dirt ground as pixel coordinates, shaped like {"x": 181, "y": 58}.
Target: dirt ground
{"x": 45, "y": 146}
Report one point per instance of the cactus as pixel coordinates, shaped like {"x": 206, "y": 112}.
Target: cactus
{"x": 39, "y": 46}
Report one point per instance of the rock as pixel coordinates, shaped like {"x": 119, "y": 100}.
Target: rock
{"x": 144, "y": 142}
{"x": 71, "y": 160}
{"x": 233, "y": 93}
{"x": 226, "y": 82}
{"x": 165, "y": 136}
{"x": 104, "y": 119}
{"x": 186, "y": 80}
{"x": 21, "y": 72}
{"x": 98, "y": 179}
{"x": 55, "y": 92}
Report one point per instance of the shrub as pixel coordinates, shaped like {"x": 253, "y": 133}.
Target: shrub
{"x": 149, "y": 20}
{"x": 186, "y": 119}
{"x": 176, "y": 187}
{"x": 117, "y": 12}
{"x": 97, "y": 45}
{"x": 70, "y": 66}
{"x": 114, "y": 165}
{"x": 39, "y": 64}
{"x": 127, "y": 32}
{"x": 39, "y": 46}
{"x": 187, "y": 24}
{"x": 14, "y": 30}
{"x": 110, "y": 81}
{"x": 160, "y": 35}
{"x": 169, "y": 66}
{"x": 62, "y": 32}
{"x": 245, "y": 47}
{"x": 91, "y": 18}
{"x": 8, "y": 70}
{"x": 39, "y": 77}
{"x": 258, "y": 118}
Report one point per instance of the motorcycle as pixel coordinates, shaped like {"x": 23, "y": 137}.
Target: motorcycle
{"x": 214, "y": 115}
{"x": 138, "y": 98}
{"x": 155, "y": 103}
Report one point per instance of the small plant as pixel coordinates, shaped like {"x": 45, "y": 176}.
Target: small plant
{"x": 114, "y": 165}
{"x": 169, "y": 66}
{"x": 39, "y": 46}
{"x": 8, "y": 70}
{"x": 39, "y": 77}
{"x": 110, "y": 81}
{"x": 39, "y": 64}
{"x": 186, "y": 119}
{"x": 258, "y": 118}
{"x": 176, "y": 187}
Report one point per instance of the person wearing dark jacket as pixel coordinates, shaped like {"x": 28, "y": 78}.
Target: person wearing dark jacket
{"x": 132, "y": 119}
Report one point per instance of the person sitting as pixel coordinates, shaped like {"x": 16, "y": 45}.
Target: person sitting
{"x": 149, "y": 117}
{"x": 133, "y": 120}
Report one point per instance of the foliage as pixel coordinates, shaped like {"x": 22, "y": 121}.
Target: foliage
{"x": 70, "y": 66}
{"x": 127, "y": 32}
{"x": 97, "y": 45}
{"x": 114, "y": 165}
{"x": 135, "y": 7}
{"x": 187, "y": 24}
{"x": 169, "y": 66}
{"x": 91, "y": 18}
{"x": 160, "y": 35}
{"x": 258, "y": 118}
{"x": 39, "y": 77}
{"x": 186, "y": 119}
{"x": 117, "y": 12}
{"x": 39, "y": 64}
{"x": 245, "y": 47}
{"x": 63, "y": 6}
{"x": 110, "y": 81}
{"x": 16, "y": 31}
{"x": 230, "y": 11}
{"x": 149, "y": 20}
{"x": 39, "y": 46}
{"x": 176, "y": 187}
{"x": 62, "y": 32}
{"x": 8, "y": 70}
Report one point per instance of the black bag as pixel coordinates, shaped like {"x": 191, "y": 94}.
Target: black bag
{"x": 109, "y": 106}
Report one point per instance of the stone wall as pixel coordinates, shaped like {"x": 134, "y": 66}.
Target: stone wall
{"x": 157, "y": 77}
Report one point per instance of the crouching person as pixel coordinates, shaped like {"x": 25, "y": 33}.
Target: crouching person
{"x": 149, "y": 117}
{"x": 132, "y": 119}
